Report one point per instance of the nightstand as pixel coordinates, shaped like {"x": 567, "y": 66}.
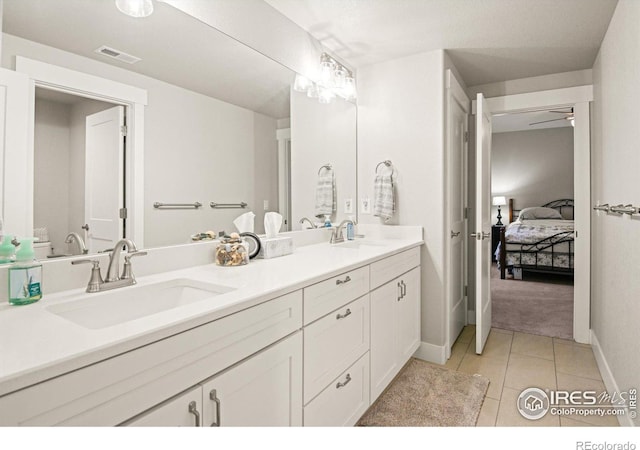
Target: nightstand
{"x": 495, "y": 239}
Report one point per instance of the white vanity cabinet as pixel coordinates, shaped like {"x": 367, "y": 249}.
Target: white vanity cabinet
{"x": 395, "y": 328}
{"x": 263, "y": 390}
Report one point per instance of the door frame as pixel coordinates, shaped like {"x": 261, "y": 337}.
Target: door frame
{"x": 579, "y": 98}
{"x": 454, "y": 93}
{"x": 82, "y": 84}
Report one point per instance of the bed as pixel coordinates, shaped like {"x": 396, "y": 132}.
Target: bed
{"x": 541, "y": 239}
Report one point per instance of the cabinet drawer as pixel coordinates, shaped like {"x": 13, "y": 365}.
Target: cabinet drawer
{"x": 329, "y": 295}
{"x": 393, "y": 266}
{"x": 344, "y": 401}
{"x": 333, "y": 343}
{"x": 116, "y": 389}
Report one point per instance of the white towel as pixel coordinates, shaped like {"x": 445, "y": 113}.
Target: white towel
{"x": 325, "y": 195}
{"x": 383, "y": 197}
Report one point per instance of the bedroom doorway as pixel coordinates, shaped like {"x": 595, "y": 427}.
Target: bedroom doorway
{"x": 579, "y": 99}
{"x": 532, "y": 185}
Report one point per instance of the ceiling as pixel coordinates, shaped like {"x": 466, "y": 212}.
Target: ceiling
{"x": 174, "y": 47}
{"x": 505, "y": 123}
{"x": 488, "y": 40}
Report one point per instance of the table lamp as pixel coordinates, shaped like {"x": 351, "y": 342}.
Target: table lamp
{"x": 499, "y": 201}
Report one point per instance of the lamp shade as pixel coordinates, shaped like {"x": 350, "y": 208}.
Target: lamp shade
{"x": 499, "y": 201}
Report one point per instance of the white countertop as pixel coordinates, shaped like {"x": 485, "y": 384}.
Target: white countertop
{"x": 36, "y": 345}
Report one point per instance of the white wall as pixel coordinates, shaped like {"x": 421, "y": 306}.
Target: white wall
{"x": 51, "y": 171}
{"x": 400, "y": 117}
{"x": 533, "y": 84}
{"x": 321, "y": 134}
{"x": 532, "y": 167}
{"x": 265, "y": 163}
{"x": 615, "y": 284}
{"x": 197, "y": 148}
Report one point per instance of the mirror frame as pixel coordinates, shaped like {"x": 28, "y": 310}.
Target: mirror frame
{"x": 49, "y": 76}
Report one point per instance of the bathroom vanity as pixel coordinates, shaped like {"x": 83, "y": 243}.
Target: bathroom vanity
{"x": 311, "y": 339}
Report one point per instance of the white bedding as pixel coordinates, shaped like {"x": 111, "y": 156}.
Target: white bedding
{"x": 533, "y": 231}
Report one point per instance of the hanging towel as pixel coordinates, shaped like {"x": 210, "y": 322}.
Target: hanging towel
{"x": 325, "y": 194}
{"x": 383, "y": 197}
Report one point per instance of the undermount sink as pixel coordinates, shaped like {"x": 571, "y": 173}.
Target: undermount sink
{"x": 356, "y": 244}
{"x": 110, "y": 308}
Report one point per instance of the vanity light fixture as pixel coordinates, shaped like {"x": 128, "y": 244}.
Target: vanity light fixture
{"x": 334, "y": 80}
{"x": 135, "y": 8}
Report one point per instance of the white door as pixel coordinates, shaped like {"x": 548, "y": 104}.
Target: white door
{"x": 408, "y": 315}
{"x": 104, "y": 175}
{"x": 482, "y": 229}
{"x": 15, "y": 159}
{"x": 458, "y": 124}
{"x": 264, "y": 390}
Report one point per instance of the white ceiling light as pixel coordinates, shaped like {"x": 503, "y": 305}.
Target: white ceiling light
{"x": 135, "y": 8}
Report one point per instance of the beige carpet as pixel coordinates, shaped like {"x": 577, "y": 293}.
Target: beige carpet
{"x": 539, "y": 304}
{"x": 423, "y": 395}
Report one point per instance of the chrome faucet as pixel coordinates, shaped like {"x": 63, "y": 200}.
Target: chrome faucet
{"x": 313, "y": 225}
{"x": 337, "y": 236}
{"x": 114, "y": 259}
{"x": 113, "y": 279}
{"x": 82, "y": 248}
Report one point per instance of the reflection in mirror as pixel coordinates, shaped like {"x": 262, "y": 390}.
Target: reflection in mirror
{"x": 323, "y": 163}
{"x": 215, "y": 109}
{"x": 71, "y": 189}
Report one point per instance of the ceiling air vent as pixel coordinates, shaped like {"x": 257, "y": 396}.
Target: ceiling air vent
{"x": 117, "y": 54}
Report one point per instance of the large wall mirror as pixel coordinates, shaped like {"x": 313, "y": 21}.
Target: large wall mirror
{"x": 218, "y": 126}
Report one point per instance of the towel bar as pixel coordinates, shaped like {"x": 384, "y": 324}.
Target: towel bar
{"x": 194, "y": 205}
{"x": 228, "y": 205}
{"x": 387, "y": 163}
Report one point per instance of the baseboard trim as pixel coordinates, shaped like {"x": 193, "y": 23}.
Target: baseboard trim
{"x": 607, "y": 377}
{"x": 432, "y": 353}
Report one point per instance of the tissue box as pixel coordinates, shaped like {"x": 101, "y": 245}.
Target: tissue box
{"x": 274, "y": 247}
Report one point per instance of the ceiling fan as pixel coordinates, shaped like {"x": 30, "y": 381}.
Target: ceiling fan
{"x": 568, "y": 115}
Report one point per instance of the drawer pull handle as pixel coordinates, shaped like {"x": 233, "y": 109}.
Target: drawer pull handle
{"x": 342, "y": 316}
{"x": 213, "y": 395}
{"x": 404, "y": 288}
{"x": 346, "y": 280}
{"x": 399, "y": 291}
{"x": 193, "y": 409}
{"x": 344, "y": 383}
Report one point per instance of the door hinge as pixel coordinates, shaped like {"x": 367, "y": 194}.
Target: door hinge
{"x": 466, "y": 213}
{"x": 466, "y": 136}
{"x": 123, "y": 213}
{"x": 123, "y": 130}
{"x": 466, "y": 290}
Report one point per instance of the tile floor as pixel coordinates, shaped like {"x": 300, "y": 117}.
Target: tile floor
{"x": 513, "y": 361}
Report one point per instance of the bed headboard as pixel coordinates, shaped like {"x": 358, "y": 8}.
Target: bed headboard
{"x": 564, "y": 207}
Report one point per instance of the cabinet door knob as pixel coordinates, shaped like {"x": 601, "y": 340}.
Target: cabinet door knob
{"x": 344, "y": 383}
{"x": 193, "y": 409}
{"x": 346, "y": 280}
{"x": 342, "y": 316}
{"x": 213, "y": 395}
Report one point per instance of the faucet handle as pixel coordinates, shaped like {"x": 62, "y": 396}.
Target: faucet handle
{"x": 126, "y": 270}
{"x": 96, "y": 277}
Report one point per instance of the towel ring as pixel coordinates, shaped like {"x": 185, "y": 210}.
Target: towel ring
{"x": 326, "y": 166}
{"x": 387, "y": 163}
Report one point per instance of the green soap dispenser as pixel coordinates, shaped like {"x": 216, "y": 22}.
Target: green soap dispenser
{"x": 7, "y": 250}
{"x": 25, "y": 276}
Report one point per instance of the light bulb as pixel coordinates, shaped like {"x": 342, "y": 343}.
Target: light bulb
{"x": 326, "y": 70}
{"x": 325, "y": 95}
{"x": 312, "y": 91}
{"x": 135, "y": 8}
{"x": 349, "y": 90}
{"x": 301, "y": 83}
{"x": 339, "y": 77}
